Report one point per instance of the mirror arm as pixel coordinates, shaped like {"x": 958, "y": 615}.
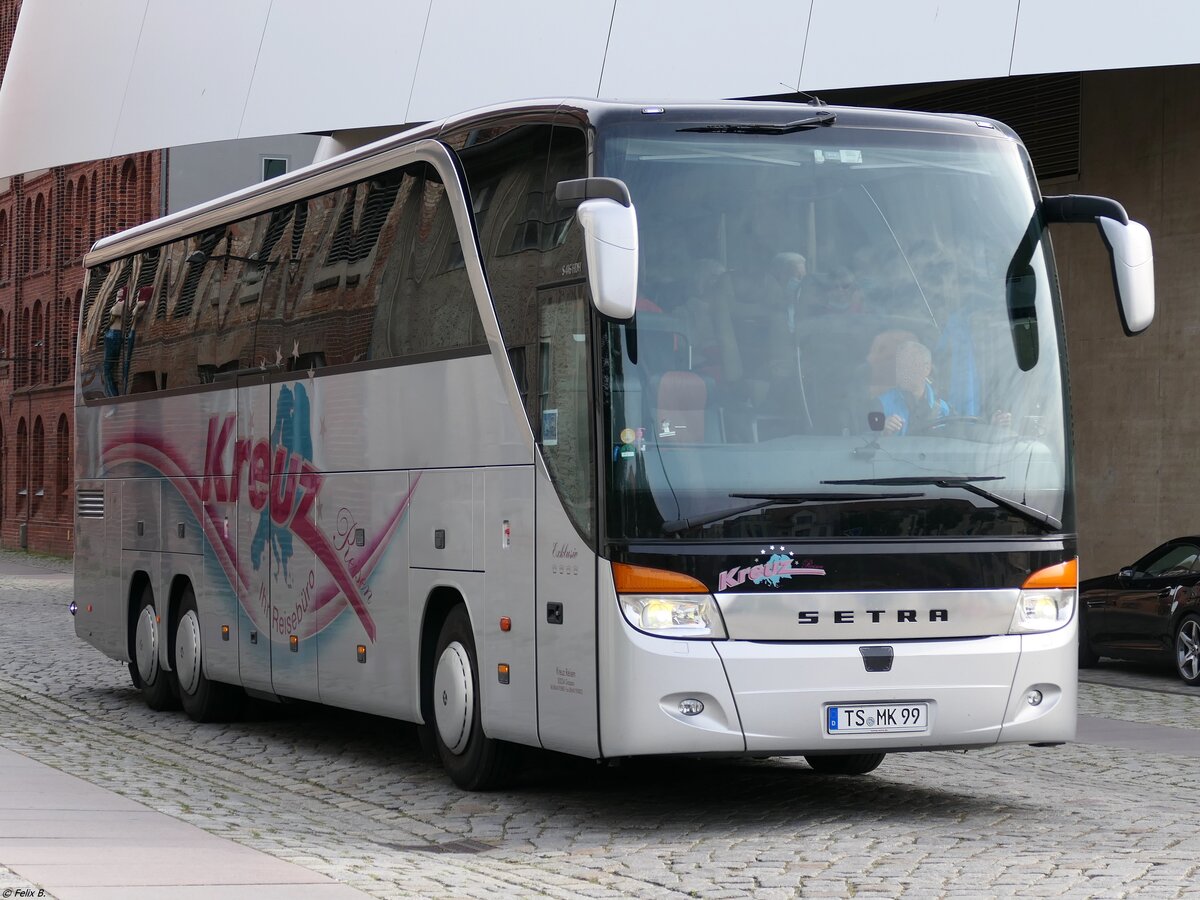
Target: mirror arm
{"x": 574, "y": 192}
{"x": 1082, "y": 208}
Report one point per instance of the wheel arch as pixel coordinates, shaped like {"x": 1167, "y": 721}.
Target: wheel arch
{"x": 179, "y": 583}
{"x": 438, "y": 605}
{"x": 138, "y": 582}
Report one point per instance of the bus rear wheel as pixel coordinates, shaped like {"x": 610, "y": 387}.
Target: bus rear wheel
{"x": 473, "y": 761}
{"x": 203, "y": 700}
{"x": 156, "y": 683}
{"x": 846, "y": 763}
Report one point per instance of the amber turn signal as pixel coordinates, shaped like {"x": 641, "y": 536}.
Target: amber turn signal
{"x": 631, "y": 579}
{"x": 1063, "y": 575}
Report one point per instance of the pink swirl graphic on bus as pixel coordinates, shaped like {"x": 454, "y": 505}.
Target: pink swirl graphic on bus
{"x": 286, "y": 502}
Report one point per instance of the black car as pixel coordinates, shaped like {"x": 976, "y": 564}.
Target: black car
{"x": 1147, "y": 612}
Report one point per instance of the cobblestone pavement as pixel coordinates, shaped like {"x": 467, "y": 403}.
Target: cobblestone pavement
{"x": 351, "y": 796}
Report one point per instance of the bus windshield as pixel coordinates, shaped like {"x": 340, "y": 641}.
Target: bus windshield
{"x": 840, "y": 333}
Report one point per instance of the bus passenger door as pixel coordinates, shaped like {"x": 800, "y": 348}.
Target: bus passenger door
{"x": 566, "y": 522}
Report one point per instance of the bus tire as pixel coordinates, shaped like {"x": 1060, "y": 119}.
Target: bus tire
{"x": 157, "y": 684}
{"x": 473, "y": 761}
{"x": 846, "y": 763}
{"x": 203, "y": 700}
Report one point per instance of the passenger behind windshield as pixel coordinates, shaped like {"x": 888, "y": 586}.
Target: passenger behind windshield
{"x": 956, "y": 293}
{"x": 912, "y": 406}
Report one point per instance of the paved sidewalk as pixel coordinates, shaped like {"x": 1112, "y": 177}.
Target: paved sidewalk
{"x": 65, "y": 838}
{"x": 74, "y": 841}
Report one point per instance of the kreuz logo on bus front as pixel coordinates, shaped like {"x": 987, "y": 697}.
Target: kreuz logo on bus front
{"x": 781, "y": 564}
{"x": 243, "y": 468}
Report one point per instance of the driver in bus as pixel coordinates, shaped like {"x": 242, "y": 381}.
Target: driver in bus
{"x": 912, "y": 406}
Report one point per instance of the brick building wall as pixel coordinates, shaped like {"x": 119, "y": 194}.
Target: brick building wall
{"x": 48, "y": 220}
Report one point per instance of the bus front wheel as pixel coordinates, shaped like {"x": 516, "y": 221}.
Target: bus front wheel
{"x": 473, "y": 761}
{"x": 845, "y": 764}
{"x": 157, "y": 684}
{"x": 203, "y": 700}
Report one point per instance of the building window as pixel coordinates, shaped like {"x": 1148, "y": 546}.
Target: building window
{"x": 273, "y": 167}
{"x": 22, "y": 473}
{"x": 62, "y": 465}
{"x": 38, "y": 488}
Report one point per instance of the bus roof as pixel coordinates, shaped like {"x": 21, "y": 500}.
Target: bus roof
{"x": 343, "y": 168}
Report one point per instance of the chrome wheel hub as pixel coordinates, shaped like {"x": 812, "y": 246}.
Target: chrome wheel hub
{"x": 187, "y": 652}
{"x": 145, "y": 645}
{"x": 454, "y": 697}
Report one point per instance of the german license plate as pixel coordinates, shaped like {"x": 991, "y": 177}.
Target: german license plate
{"x": 876, "y": 718}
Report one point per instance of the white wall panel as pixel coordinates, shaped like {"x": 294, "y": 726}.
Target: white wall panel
{"x": 356, "y": 69}
{"x": 480, "y": 53}
{"x": 704, "y": 49}
{"x": 1078, "y": 35}
{"x": 191, "y": 72}
{"x": 876, "y": 42}
{"x": 89, "y": 79}
{"x": 61, "y": 95}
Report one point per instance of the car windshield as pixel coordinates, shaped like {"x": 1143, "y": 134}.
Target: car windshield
{"x": 833, "y": 304}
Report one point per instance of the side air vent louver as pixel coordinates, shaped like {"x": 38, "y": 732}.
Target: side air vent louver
{"x": 89, "y": 504}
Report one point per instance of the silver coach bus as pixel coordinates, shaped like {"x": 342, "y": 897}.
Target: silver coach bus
{"x": 606, "y": 428}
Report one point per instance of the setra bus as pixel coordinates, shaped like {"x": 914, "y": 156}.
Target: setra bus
{"x": 606, "y": 428}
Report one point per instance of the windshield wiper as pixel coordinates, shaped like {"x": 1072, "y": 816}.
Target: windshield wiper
{"x": 674, "y": 526}
{"x": 966, "y": 482}
{"x": 824, "y": 117}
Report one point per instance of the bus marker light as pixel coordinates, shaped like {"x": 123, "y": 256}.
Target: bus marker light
{"x": 1034, "y": 697}
{"x": 224, "y": 632}
{"x": 89, "y": 607}
{"x": 505, "y": 623}
{"x": 1064, "y": 575}
{"x": 691, "y": 706}
{"x": 72, "y": 607}
{"x": 295, "y": 643}
{"x": 362, "y": 653}
{"x": 502, "y": 673}
{"x": 643, "y": 580}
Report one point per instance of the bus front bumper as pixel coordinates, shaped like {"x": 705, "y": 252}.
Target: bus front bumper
{"x": 773, "y": 698}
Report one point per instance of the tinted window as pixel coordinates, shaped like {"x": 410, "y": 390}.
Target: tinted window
{"x": 359, "y": 273}
{"x": 1179, "y": 559}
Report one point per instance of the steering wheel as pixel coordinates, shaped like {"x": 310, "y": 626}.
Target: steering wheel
{"x": 934, "y": 427}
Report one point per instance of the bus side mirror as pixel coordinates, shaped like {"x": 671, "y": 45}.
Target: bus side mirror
{"x": 610, "y": 241}
{"x": 1020, "y": 288}
{"x": 1133, "y": 271}
{"x": 1128, "y": 247}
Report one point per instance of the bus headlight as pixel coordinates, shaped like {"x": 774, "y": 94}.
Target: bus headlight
{"x": 1047, "y": 599}
{"x": 1043, "y": 610}
{"x": 678, "y": 617}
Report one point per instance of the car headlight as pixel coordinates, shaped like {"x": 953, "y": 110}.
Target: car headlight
{"x": 679, "y": 617}
{"x": 1047, "y": 599}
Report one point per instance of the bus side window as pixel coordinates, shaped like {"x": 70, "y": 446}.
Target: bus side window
{"x": 426, "y": 303}
{"x": 345, "y": 273}
{"x": 505, "y": 167}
